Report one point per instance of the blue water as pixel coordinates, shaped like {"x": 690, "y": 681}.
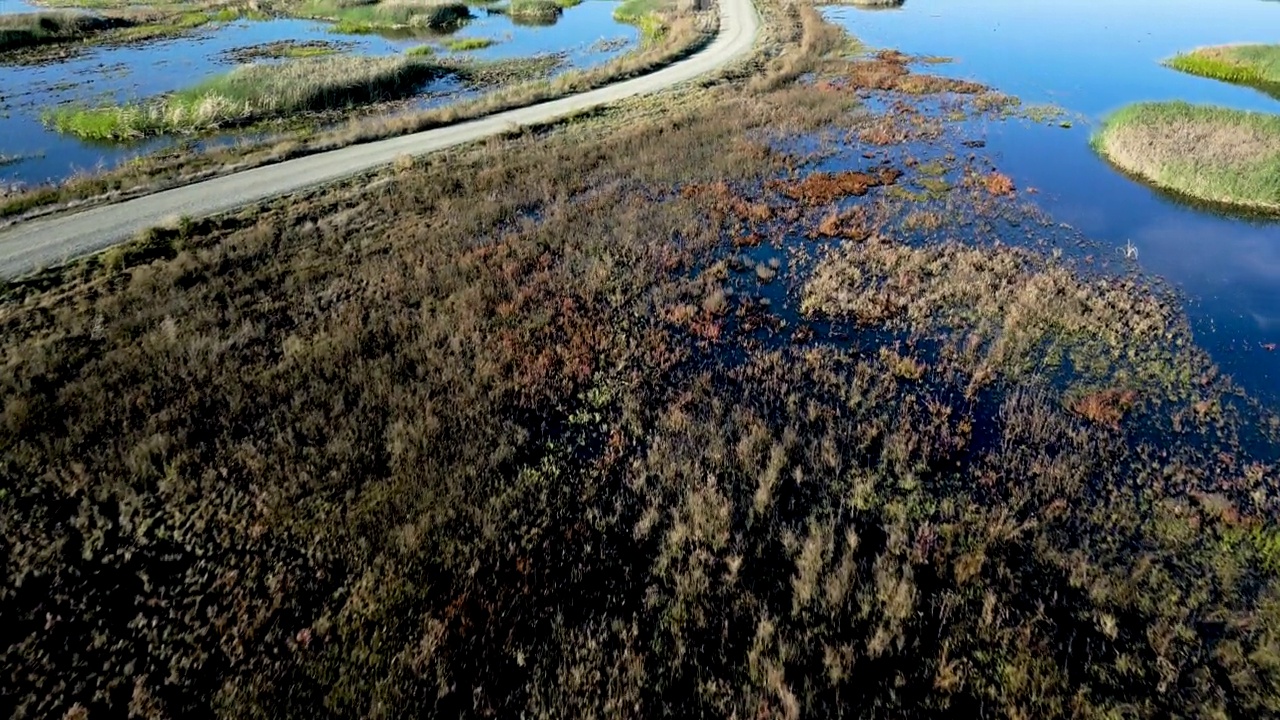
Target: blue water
{"x": 1092, "y": 58}
{"x": 119, "y": 74}
{"x": 15, "y": 6}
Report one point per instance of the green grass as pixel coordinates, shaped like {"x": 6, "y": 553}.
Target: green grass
{"x": 1255, "y": 65}
{"x": 251, "y": 93}
{"x": 465, "y": 44}
{"x": 420, "y": 51}
{"x": 534, "y": 12}
{"x": 1221, "y": 156}
{"x": 644, "y": 14}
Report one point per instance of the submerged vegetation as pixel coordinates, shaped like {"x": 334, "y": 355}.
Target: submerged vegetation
{"x": 1217, "y": 155}
{"x": 251, "y": 93}
{"x": 1254, "y": 65}
{"x": 232, "y": 481}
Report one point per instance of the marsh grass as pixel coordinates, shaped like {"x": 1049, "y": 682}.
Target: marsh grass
{"x": 32, "y": 29}
{"x": 245, "y": 431}
{"x": 645, "y": 15}
{"x": 284, "y": 50}
{"x": 536, "y": 12}
{"x": 1253, "y": 65}
{"x": 1217, "y": 155}
{"x": 251, "y": 93}
{"x": 372, "y": 17}
{"x": 467, "y": 44}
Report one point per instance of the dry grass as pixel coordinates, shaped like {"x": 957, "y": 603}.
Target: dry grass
{"x": 1216, "y": 155}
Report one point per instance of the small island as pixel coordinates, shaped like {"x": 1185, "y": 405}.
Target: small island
{"x": 1216, "y": 155}
{"x": 1253, "y": 65}
{"x": 1212, "y": 154}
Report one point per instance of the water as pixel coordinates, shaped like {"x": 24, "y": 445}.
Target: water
{"x": 15, "y": 6}
{"x": 1092, "y": 59}
{"x": 586, "y": 34}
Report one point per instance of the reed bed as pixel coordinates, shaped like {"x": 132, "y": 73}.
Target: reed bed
{"x": 252, "y": 93}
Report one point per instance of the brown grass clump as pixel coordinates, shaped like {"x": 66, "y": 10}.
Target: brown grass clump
{"x": 1105, "y": 407}
{"x": 822, "y": 188}
{"x": 854, "y": 224}
{"x": 998, "y": 184}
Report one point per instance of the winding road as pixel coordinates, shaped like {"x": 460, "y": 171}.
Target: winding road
{"x": 29, "y": 246}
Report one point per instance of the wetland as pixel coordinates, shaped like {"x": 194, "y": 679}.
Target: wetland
{"x": 850, "y": 382}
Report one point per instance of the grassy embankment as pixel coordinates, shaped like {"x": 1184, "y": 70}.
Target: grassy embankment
{"x": 35, "y": 31}
{"x": 32, "y": 29}
{"x": 1254, "y": 65}
{"x": 232, "y": 483}
{"x": 1217, "y": 155}
{"x": 681, "y": 34}
{"x": 252, "y": 93}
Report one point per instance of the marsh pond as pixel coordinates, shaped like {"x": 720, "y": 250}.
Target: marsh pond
{"x": 1086, "y": 63}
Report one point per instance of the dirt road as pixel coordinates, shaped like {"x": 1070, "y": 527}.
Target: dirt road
{"x": 26, "y": 247}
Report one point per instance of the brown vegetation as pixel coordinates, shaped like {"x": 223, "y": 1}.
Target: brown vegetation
{"x": 479, "y": 436}
{"x": 823, "y": 188}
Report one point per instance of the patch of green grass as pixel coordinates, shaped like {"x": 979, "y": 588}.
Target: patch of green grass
{"x": 1218, "y": 155}
{"x": 1255, "y": 65}
{"x": 420, "y": 51}
{"x": 466, "y": 44}
{"x": 285, "y": 49}
{"x": 645, "y": 15}
{"x": 366, "y": 18}
{"x": 252, "y": 93}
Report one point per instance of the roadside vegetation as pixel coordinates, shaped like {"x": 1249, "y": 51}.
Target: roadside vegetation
{"x": 1217, "y": 155}
{"x": 232, "y": 483}
{"x": 252, "y": 93}
{"x": 1254, "y": 65}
